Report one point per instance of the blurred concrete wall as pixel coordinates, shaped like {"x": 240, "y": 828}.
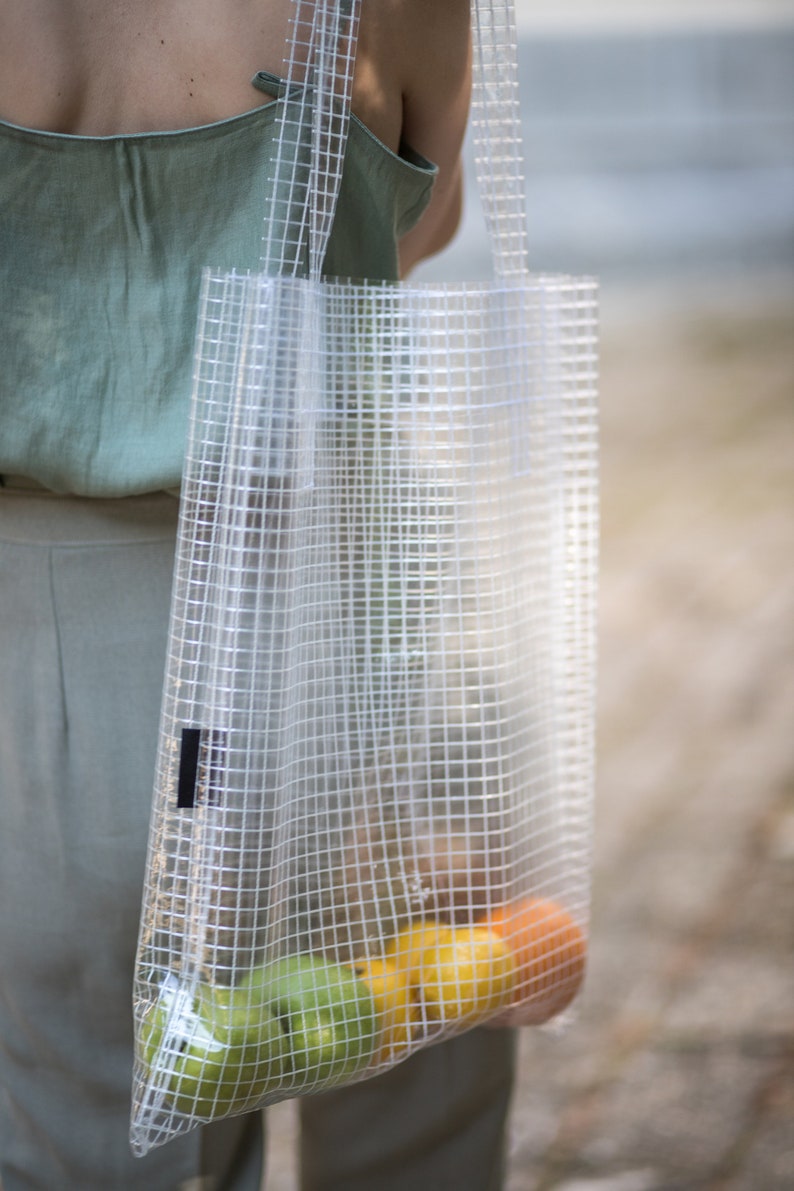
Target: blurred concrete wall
{"x": 653, "y": 146}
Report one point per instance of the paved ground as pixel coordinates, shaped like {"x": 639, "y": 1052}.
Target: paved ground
{"x": 678, "y": 1074}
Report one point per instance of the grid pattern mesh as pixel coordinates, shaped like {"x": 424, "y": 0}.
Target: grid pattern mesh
{"x": 371, "y": 816}
{"x": 312, "y": 132}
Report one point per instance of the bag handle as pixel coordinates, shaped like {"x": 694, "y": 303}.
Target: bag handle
{"x": 311, "y": 134}
{"x": 496, "y": 133}
{"x": 314, "y": 120}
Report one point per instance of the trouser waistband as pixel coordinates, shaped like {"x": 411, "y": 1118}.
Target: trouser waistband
{"x": 34, "y": 515}
{"x": 21, "y": 484}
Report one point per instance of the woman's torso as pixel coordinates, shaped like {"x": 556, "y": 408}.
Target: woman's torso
{"x": 103, "y": 242}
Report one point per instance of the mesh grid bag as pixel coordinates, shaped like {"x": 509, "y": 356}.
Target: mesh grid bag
{"x": 372, "y": 807}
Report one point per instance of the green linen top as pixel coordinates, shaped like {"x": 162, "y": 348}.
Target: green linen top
{"x": 102, "y": 245}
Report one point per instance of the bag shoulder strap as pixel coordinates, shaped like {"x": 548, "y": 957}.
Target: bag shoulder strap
{"x": 314, "y": 120}
{"x": 311, "y": 132}
{"x": 496, "y": 134}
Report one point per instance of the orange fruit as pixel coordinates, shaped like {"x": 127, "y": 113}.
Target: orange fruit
{"x": 550, "y": 952}
{"x": 467, "y": 974}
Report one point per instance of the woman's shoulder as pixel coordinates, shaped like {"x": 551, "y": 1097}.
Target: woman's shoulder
{"x": 426, "y": 41}
{"x": 413, "y": 71}
{"x": 413, "y": 80}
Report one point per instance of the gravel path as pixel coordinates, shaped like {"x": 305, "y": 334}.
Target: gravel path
{"x": 679, "y": 1071}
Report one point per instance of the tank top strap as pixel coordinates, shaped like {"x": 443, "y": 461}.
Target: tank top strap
{"x": 269, "y": 84}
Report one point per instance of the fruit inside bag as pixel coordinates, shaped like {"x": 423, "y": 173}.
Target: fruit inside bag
{"x": 423, "y": 951}
{"x": 380, "y": 900}
{"x": 305, "y": 1022}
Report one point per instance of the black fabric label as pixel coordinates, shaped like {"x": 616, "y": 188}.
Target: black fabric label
{"x": 202, "y": 757}
{"x": 188, "y": 768}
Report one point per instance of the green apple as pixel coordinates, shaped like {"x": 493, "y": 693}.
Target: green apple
{"x": 328, "y": 1014}
{"x": 208, "y": 1053}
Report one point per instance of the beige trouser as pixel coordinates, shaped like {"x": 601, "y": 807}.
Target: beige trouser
{"x": 84, "y": 597}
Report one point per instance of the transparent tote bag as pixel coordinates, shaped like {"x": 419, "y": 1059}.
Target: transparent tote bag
{"x": 372, "y": 807}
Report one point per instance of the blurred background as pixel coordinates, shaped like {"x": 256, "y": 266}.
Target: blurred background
{"x": 658, "y": 138}
{"x": 659, "y": 146}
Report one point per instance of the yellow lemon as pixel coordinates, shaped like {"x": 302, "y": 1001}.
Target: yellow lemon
{"x": 466, "y": 976}
{"x": 406, "y": 949}
{"x": 393, "y": 996}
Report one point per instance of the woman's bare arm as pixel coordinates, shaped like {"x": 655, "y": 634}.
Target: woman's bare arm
{"x": 435, "y": 112}
{"x": 413, "y": 86}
